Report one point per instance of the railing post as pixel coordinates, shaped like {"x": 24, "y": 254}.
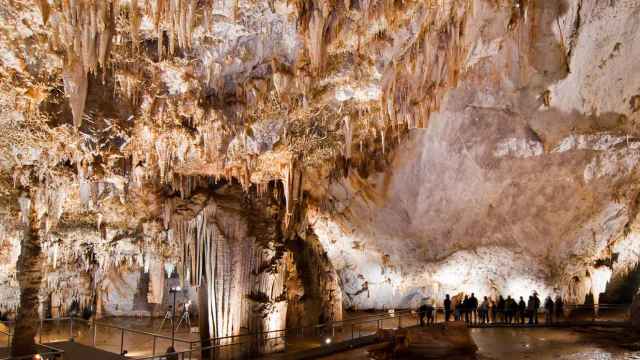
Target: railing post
{"x": 190, "y": 349}
{"x": 153, "y": 351}
{"x": 71, "y": 328}
{"x": 399, "y": 321}
{"x": 40, "y": 331}
{"x": 95, "y": 332}
{"x": 122, "y": 341}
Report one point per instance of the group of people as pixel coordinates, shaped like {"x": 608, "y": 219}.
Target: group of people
{"x": 506, "y": 311}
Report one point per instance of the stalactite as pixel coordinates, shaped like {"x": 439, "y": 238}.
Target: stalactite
{"x": 348, "y": 136}
{"x": 75, "y": 87}
{"x": 45, "y": 9}
{"x": 317, "y": 46}
{"x": 134, "y": 21}
{"x": 292, "y": 189}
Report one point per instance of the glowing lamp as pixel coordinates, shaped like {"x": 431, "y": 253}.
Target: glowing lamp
{"x": 327, "y": 341}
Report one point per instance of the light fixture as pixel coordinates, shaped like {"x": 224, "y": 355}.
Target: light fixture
{"x": 327, "y": 341}
{"x": 37, "y": 357}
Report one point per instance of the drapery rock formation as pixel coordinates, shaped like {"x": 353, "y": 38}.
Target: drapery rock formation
{"x": 294, "y": 157}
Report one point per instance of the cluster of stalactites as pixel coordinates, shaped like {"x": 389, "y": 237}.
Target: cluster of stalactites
{"x": 84, "y": 31}
{"x": 192, "y": 235}
{"x": 45, "y": 202}
{"x": 219, "y": 250}
{"x": 414, "y": 82}
{"x": 177, "y": 18}
{"x": 172, "y": 155}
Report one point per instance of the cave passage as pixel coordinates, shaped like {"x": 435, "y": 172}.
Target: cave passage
{"x": 264, "y": 178}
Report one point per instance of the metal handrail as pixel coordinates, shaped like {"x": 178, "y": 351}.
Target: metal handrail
{"x": 135, "y": 331}
{"x": 281, "y": 333}
{"x": 361, "y": 320}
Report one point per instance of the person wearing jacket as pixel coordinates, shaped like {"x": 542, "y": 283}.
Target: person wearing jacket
{"x": 447, "y": 307}
{"x": 522, "y": 310}
{"x": 559, "y": 308}
{"x": 548, "y": 310}
{"x": 536, "y": 307}
{"x": 484, "y": 311}
{"x": 531, "y": 309}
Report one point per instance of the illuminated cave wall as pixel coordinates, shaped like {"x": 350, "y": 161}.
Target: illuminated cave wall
{"x": 524, "y": 180}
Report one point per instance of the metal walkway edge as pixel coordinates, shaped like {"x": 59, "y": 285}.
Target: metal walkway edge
{"x": 323, "y": 350}
{"x": 75, "y": 351}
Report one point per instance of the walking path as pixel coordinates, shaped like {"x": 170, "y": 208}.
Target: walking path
{"x": 73, "y": 350}
{"x": 106, "y": 338}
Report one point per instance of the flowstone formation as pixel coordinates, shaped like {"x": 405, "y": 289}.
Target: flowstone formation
{"x": 285, "y": 158}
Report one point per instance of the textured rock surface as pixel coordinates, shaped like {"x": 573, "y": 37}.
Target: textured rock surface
{"x": 431, "y": 146}
{"x": 502, "y": 193}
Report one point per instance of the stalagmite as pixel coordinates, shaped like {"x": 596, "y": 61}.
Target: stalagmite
{"x": 30, "y": 275}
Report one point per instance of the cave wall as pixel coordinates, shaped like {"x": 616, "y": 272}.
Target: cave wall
{"x": 524, "y": 179}
{"x": 313, "y": 286}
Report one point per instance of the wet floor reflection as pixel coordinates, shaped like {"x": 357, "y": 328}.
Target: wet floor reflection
{"x": 531, "y": 344}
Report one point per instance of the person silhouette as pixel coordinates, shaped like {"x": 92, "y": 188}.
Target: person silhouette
{"x": 447, "y": 307}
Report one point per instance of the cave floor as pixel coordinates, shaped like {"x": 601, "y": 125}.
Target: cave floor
{"x": 139, "y": 344}
{"x": 537, "y": 343}
{"x": 493, "y": 343}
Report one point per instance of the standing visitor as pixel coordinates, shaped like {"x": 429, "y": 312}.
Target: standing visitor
{"x": 422, "y": 313}
{"x": 508, "y": 309}
{"x": 501, "y": 308}
{"x": 536, "y": 304}
{"x": 559, "y": 308}
{"x": 484, "y": 311}
{"x": 494, "y": 311}
{"x": 465, "y": 308}
{"x": 548, "y": 310}
{"x": 429, "y": 313}
{"x": 531, "y": 304}
{"x": 473, "y": 308}
{"x": 522, "y": 309}
{"x": 447, "y": 307}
